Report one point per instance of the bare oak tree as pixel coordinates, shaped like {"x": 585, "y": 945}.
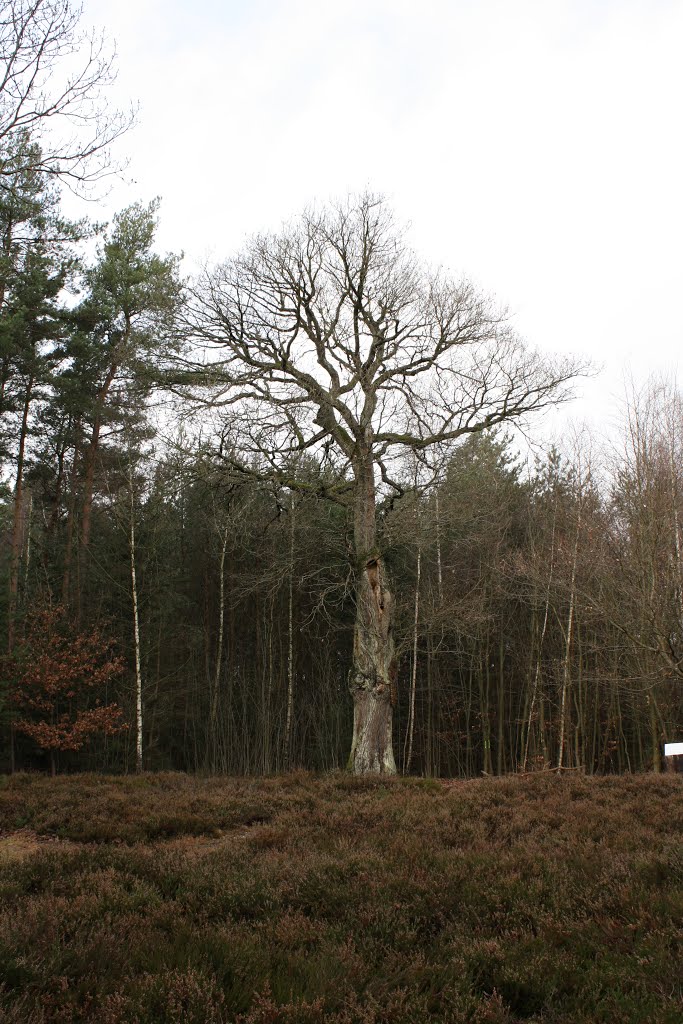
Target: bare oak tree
{"x": 53, "y": 82}
{"x": 332, "y": 338}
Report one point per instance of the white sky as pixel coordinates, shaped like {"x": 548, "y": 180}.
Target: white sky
{"x": 535, "y": 145}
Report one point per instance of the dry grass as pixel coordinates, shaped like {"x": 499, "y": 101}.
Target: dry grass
{"x": 354, "y": 901}
{"x": 18, "y": 845}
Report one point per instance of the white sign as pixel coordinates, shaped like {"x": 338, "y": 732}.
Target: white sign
{"x": 670, "y": 749}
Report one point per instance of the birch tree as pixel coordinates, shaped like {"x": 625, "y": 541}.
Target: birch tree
{"x": 333, "y": 338}
{"x": 136, "y": 623}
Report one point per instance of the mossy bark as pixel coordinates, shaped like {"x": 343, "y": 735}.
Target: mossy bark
{"x": 372, "y": 676}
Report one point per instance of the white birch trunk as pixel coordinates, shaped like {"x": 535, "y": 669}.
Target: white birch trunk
{"x": 221, "y": 633}
{"x": 568, "y": 644}
{"x": 136, "y": 632}
{"x": 29, "y": 524}
{"x": 673, "y": 482}
{"x": 407, "y": 758}
{"x": 439, "y": 571}
{"x": 537, "y": 673}
{"x": 290, "y": 647}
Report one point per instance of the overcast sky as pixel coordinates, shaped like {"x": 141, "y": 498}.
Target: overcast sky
{"x": 534, "y": 145}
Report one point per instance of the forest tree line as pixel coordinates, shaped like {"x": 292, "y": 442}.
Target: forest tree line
{"x": 538, "y": 610}
{"x": 254, "y": 521}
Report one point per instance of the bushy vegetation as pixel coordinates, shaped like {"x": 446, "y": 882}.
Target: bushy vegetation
{"x": 302, "y": 899}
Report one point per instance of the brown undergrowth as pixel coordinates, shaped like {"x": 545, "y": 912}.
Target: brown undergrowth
{"x": 305, "y": 899}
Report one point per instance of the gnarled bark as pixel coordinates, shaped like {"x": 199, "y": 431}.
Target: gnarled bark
{"x": 372, "y": 675}
{"x": 370, "y": 679}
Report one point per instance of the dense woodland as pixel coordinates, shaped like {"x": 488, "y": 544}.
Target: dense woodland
{"x": 185, "y": 562}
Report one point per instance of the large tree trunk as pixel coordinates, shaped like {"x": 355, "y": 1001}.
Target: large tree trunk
{"x": 373, "y": 671}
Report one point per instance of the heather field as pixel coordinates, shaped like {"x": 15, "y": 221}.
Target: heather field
{"x": 292, "y": 900}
